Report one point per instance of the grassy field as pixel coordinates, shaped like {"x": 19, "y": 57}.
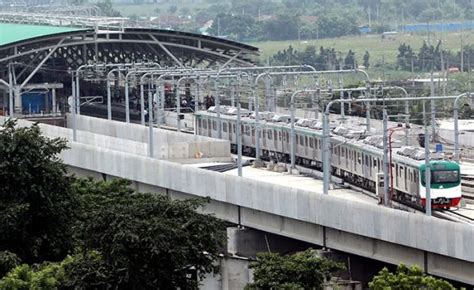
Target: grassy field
{"x": 380, "y": 50}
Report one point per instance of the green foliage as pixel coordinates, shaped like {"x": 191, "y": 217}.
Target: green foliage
{"x": 350, "y": 61}
{"x": 123, "y": 239}
{"x": 326, "y": 59}
{"x": 407, "y": 278}
{"x": 87, "y": 270}
{"x": 149, "y": 241}
{"x": 37, "y": 203}
{"x": 366, "y": 62}
{"x": 335, "y": 25}
{"x": 304, "y": 270}
{"x": 234, "y": 26}
{"x": 107, "y": 8}
{"x": 47, "y": 276}
{"x": 80, "y": 271}
{"x": 281, "y": 27}
{"x": 8, "y": 261}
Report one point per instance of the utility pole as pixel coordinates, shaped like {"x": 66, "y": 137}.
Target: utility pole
{"x": 412, "y": 72}
{"x": 385, "y": 158}
{"x": 462, "y": 54}
{"x": 433, "y": 108}
{"x": 442, "y": 69}
{"x": 427, "y": 164}
{"x": 370, "y": 19}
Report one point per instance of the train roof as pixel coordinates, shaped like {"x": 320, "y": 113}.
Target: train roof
{"x": 408, "y": 155}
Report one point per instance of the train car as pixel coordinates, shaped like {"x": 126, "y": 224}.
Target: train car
{"x": 355, "y": 159}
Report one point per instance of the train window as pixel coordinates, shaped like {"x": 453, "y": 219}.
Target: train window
{"x": 301, "y": 140}
{"x": 279, "y": 135}
{"x": 204, "y": 125}
{"x": 311, "y": 143}
{"x": 199, "y": 123}
{"x": 233, "y": 128}
{"x": 275, "y": 134}
{"x": 359, "y": 159}
{"x": 370, "y": 162}
{"x": 375, "y": 162}
{"x": 253, "y": 132}
{"x": 306, "y": 141}
{"x": 224, "y": 127}
{"x": 270, "y": 134}
{"x": 401, "y": 170}
{"x": 214, "y": 125}
{"x": 366, "y": 160}
{"x": 209, "y": 124}
{"x": 287, "y": 136}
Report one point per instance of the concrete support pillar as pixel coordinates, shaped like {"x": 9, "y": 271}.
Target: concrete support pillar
{"x": 53, "y": 99}
{"x": 18, "y": 101}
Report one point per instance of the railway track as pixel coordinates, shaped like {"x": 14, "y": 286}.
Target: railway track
{"x": 467, "y": 186}
{"x": 453, "y": 215}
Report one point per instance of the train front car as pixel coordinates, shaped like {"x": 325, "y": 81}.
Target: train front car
{"x": 445, "y": 184}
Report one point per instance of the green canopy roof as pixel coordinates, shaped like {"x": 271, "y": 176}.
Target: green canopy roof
{"x": 13, "y": 32}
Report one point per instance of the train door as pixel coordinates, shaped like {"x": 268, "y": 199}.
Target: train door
{"x": 305, "y": 145}
{"x": 264, "y": 132}
{"x": 405, "y": 185}
{"x": 397, "y": 173}
{"x": 275, "y": 140}
{"x": 252, "y": 135}
{"x": 369, "y": 166}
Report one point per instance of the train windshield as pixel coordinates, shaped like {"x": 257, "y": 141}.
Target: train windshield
{"x": 445, "y": 176}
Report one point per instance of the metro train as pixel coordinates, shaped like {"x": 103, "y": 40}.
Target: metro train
{"x": 355, "y": 157}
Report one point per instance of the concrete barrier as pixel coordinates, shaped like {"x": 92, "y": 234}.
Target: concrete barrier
{"x": 182, "y": 151}
{"x": 394, "y": 226}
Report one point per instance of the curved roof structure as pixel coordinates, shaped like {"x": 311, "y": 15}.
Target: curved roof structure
{"x": 164, "y": 46}
{"x": 63, "y": 48}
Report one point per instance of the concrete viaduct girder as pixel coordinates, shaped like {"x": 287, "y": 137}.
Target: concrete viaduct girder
{"x": 440, "y": 247}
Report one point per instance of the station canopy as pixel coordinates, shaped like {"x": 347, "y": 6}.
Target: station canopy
{"x": 51, "y": 51}
{"x": 13, "y": 32}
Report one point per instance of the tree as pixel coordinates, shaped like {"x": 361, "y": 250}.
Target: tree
{"x": 80, "y": 271}
{"x": 148, "y": 241}
{"x": 236, "y": 26}
{"x": 8, "y": 261}
{"x": 172, "y": 9}
{"x": 282, "y": 27}
{"x": 37, "y": 203}
{"x": 304, "y": 270}
{"x": 407, "y": 278}
{"x": 335, "y": 25}
{"x": 366, "y": 62}
{"x": 350, "y": 61}
{"x": 405, "y": 57}
{"x": 107, "y": 8}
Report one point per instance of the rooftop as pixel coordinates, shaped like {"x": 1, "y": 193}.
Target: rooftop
{"x": 14, "y": 32}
